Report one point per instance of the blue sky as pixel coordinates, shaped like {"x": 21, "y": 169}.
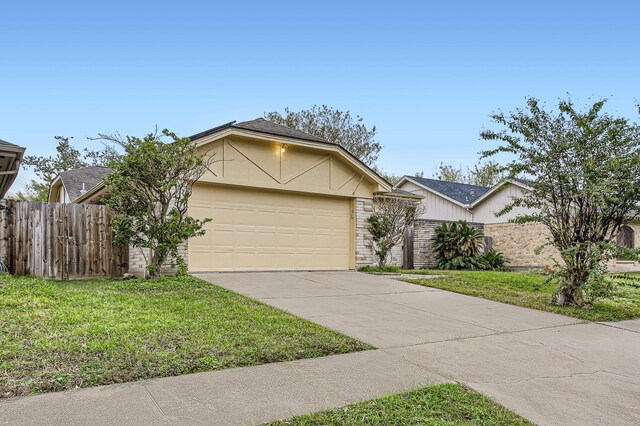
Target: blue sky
{"x": 426, "y": 74}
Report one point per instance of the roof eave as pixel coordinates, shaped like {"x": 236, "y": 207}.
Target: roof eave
{"x": 433, "y": 191}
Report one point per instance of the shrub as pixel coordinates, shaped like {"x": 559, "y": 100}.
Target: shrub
{"x": 462, "y": 263}
{"x": 458, "y": 246}
{"x": 494, "y": 260}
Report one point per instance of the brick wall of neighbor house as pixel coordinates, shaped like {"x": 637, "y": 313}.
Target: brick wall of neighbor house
{"x": 137, "y": 262}
{"x": 518, "y": 243}
{"x": 423, "y": 232}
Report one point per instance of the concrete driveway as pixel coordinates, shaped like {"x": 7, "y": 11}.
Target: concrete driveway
{"x": 549, "y": 368}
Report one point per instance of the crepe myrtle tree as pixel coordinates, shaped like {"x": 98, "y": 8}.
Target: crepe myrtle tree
{"x": 583, "y": 168}
{"x": 149, "y": 190}
{"x": 392, "y": 214}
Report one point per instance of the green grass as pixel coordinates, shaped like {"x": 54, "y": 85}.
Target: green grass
{"x": 527, "y": 289}
{"x": 60, "y": 335}
{"x": 436, "y": 405}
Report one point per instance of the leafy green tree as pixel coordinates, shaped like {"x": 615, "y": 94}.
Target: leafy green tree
{"x": 486, "y": 174}
{"x": 47, "y": 168}
{"x": 334, "y": 126}
{"x": 451, "y": 173}
{"x": 583, "y": 167}
{"x": 483, "y": 174}
{"x": 149, "y": 190}
{"x": 67, "y": 158}
{"x": 391, "y": 216}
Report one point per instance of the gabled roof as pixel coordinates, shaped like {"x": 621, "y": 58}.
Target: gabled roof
{"x": 10, "y": 159}
{"x": 78, "y": 182}
{"x": 263, "y": 126}
{"x": 9, "y": 144}
{"x": 460, "y": 192}
{"x": 522, "y": 183}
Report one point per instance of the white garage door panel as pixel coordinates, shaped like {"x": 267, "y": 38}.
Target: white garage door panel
{"x": 266, "y": 230}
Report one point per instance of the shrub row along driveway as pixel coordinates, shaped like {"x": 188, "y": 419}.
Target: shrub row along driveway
{"x": 550, "y": 368}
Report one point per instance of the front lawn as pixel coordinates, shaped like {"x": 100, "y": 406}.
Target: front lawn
{"x": 436, "y": 405}
{"x": 527, "y": 289}
{"x": 60, "y": 335}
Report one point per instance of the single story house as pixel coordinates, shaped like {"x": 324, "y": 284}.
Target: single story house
{"x": 280, "y": 199}
{"x": 10, "y": 160}
{"x": 526, "y": 245}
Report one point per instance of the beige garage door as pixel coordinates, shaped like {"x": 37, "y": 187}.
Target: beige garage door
{"x": 266, "y": 230}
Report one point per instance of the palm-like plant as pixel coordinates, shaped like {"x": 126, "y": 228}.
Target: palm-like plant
{"x": 458, "y": 246}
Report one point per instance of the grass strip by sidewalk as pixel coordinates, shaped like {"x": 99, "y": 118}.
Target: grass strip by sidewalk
{"x": 527, "y": 289}
{"x": 61, "y": 335}
{"x": 448, "y": 404}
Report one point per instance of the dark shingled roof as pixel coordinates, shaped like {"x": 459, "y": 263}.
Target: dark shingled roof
{"x": 263, "y": 126}
{"x": 461, "y": 192}
{"x": 5, "y": 143}
{"x": 89, "y": 176}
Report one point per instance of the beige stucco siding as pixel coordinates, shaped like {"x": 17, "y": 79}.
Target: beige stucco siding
{"x": 435, "y": 206}
{"x": 287, "y": 167}
{"x": 485, "y": 211}
{"x": 267, "y": 230}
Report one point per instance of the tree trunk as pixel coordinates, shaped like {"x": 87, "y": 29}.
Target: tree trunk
{"x": 156, "y": 260}
{"x": 576, "y": 275}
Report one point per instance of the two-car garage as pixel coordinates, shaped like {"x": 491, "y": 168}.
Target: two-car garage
{"x": 256, "y": 229}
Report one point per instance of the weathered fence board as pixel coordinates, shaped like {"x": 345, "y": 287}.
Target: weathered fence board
{"x": 57, "y": 240}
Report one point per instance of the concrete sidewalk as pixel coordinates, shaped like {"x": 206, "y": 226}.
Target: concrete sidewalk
{"x": 239, "y": 396}
{"x": 549, "y": 368}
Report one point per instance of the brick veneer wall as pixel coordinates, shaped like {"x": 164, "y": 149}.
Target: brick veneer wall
{"x": 364, "y": 241}
{"x": 423, "y": 232}
{"x": 518, "y": 242}
{"x": 137, "y": 263}
{"x": 365, "y": 251}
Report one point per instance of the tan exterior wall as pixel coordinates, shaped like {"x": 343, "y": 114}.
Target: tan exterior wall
{"x": 435, "y": 206}
{"x": 518, "y": 242}
{"x": 485, "y": 212}
{"x": 264, "y": 164}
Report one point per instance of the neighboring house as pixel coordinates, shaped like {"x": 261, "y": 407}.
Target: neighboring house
{"x": 78, "y": 185}
{"x": 451, "y": 201}
{"x": 280, "y": 199}
{"x": 526, "y": 245}
{"x": 10, "y": 160}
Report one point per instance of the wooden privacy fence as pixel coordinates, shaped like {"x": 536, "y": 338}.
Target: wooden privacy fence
{"x": 55, "y": 240}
